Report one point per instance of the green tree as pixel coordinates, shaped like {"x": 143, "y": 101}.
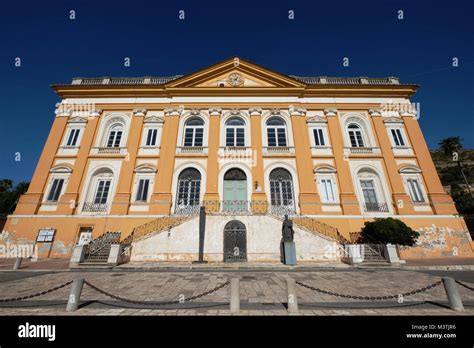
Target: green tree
{"x": 388, "y": 230}
{"x": 463, "y": 200}
{"x": 9, "y": 195}
{"x": 452, "y": 147}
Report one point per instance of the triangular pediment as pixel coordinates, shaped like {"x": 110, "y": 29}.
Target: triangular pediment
{"x": 235, "y": 73}
{"x": 393, "y": 120}
{"x": 77, "y": 119}
{"x": 317, "y": 119}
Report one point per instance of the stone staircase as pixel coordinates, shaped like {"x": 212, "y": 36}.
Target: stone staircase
{"x": 374, "y": 253}
{"x": 98, "y": 249}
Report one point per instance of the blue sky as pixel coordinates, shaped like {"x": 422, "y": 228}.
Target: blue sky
{"x": 419, "y": 49}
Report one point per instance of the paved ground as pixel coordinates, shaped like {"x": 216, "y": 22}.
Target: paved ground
{"x": 447, "y": 261}
{"x": 63, "y": 264}
{"x": 262, "y": 292}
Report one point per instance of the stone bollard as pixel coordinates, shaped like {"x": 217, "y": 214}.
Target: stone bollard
{"x": 452, "y": 292}
{"x": 235, "y": 295}
{"x": 292, "y": 300}
{"x": 17, "y": 264}
{"x": 75, "y": 295}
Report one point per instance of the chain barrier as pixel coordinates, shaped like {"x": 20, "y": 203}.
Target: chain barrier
{"x": 389, "y": 297}
{"x": 13, "y": 299}
{"x": 464, "y": 285}
{"x": 156, "y": 303}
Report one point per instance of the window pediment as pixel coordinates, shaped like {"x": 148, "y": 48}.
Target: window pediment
{"x": 324, "y": 169}
{"x": 145, "y": 168}
{"x": 61, "y": 168}
{"x": 409, "y": 169}
{"x": 393, "y": 120}
{"x": 153, "y": 119}
{"x": 77, "y": 119}
{"x": 316, "y": 120}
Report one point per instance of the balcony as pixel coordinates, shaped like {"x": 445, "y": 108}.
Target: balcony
{"x": 90, "y": 207}
{"x": 375, "y": 207}
{"x": 191, "y": 150}
{"x": 192, "y": 209}
{"x": 271, "y": 150}
{"x": 363, "y": 150}
{"x": 108, "y": 150}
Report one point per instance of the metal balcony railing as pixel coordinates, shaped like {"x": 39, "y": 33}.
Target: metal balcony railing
{"x": 191, "y": 209}
{"x": 282, "y": 210}
{"x": 90, "y": 207}
{"x": 375, "y": 207}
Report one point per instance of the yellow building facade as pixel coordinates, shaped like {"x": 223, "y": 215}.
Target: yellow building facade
{"x": 143, "y": 154}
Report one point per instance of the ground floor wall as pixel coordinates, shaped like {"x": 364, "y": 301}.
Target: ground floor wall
{"x": 440, "y": 236}
{"x": 262, "y": 233}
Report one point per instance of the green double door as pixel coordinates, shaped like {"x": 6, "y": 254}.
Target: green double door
{"x": 235, "y": 196}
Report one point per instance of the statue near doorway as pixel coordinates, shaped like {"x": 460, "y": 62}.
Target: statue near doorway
{"x": 287, "y": 244}
{"x": 287, "y": 230}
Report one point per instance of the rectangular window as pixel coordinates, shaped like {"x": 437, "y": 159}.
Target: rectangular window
{"x": 318, "y": 137}
{"x": 415, "y": 191}
{"x": 193, "y": 136}
{"x": 72, "y": 138}
{"x": 276, "y": 136}
{"x": 142, "y": 191}
{"x": 151, "y": 137}
{"x": 102, "y": 192}
{"x": 114, "y": 139}
{"x": 55, "y": 190}
{"x": 397, "y": 137}
{"x": 45, "y": 235}
{"x": 235, "y": 137}
{"x": 369, "y": 191}
{"x": 327, "y": 190}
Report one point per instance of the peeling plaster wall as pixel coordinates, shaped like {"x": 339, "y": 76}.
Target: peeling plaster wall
{"x": 436, "y": 241}
{"x": 263, "y": 242}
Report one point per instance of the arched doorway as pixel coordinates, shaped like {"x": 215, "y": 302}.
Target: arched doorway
{"x": 235, "y": 191}
{"x": 188, "y": 192}
{"x": 281, "y": 192}
{"x": 235, "y": 242}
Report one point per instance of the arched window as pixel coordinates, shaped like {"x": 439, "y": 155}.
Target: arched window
{"x": 372, "y": 192}
{"x": 281, "y": 192}
{"x": 235, "y": 132}
{"x": 114, "y": 137}
{"x": 193, "y": 132}
{"x": 99, "y": 191}
{"x": 189, "y": 190}
{"x": 355, "y": 135}
{"x": 276, "y": 132}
